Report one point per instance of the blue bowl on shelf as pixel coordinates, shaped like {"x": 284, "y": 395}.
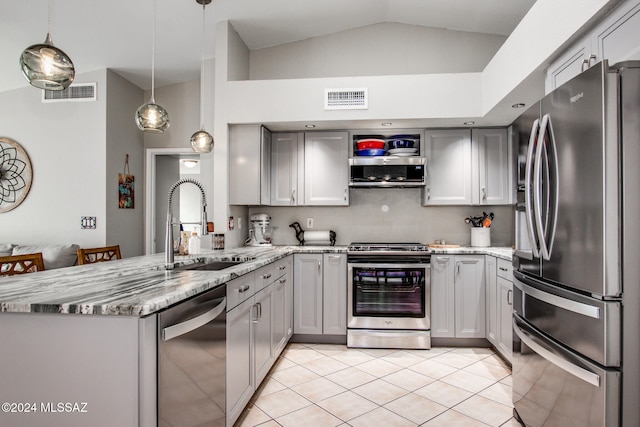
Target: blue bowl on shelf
{"x": 371, "y": 152}
{"x": 401, "y": 143}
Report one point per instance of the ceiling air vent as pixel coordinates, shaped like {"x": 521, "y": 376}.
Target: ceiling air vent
{"x": 346, "y": 99}
{"x": 74, "y": 93}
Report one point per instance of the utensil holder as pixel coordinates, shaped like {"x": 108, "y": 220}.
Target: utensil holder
{"x": 480, "y": 236}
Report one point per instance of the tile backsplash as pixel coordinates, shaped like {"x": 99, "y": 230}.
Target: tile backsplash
{"x": 388, "y": 215}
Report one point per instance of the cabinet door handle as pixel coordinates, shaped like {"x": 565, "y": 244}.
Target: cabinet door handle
{"x": 585, "y": 65}
{"x": 319, "y": 266}
{"x": 243, "y": 288}
{"x": 293, "y": 196}
{"x": 345, "y": 194}
{"x": 255, "y": 317}
{"x": 428, "y": 193}
{"x": 510, "y": 297}
{"x": 484, "y": 194}
{"x": 592, "y": 57}
{"x": 458, "y": 264}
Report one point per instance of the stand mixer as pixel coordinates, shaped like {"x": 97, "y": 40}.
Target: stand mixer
{"x": 260, "y": 231}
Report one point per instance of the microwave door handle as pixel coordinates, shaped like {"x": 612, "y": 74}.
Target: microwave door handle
{"x": 537, "y": 187}
{"x": 528, "y": 206}
{"x": 554, "y": 187}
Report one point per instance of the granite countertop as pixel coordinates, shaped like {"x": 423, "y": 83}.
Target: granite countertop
{"x": 505, "y": 253}
{"x": 141, "y": 286}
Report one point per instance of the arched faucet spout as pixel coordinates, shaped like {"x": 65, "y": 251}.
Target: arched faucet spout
{"x": 168, "y": 249}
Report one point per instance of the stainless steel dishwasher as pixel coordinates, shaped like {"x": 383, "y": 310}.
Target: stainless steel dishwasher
{"x": 192, "y": 361}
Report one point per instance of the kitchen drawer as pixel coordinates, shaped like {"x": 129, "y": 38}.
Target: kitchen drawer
{"x": 282, "y": 267}
{"x": 265, "y": 276}
{"x": 240, "y": 289}
{"x": 505, "y": 269}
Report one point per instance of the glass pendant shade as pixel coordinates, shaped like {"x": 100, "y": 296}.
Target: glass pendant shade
{"x": 202, "y": 142}
{"x": 152, "y": 118}
{"x": 47, "y": 67}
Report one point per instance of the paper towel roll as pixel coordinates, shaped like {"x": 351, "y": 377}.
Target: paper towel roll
{"x": 317, "y": 237}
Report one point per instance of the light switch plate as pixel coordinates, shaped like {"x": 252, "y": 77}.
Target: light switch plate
{"x": 88, "y": 222}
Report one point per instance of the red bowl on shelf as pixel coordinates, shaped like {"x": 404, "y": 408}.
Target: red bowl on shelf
{"x": 370, "y": 144}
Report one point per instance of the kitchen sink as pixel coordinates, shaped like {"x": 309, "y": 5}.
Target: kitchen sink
{"x": 209, "y": 265}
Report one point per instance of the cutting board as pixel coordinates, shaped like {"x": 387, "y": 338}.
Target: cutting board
{"x": 439, "y": 246}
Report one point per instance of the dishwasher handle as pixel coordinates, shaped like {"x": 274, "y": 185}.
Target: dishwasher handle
{"x": 194, "y": 323}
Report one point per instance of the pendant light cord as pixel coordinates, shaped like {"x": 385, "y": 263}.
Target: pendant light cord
{"x": 153, "y": 53}
{"x": 202, "y": 69}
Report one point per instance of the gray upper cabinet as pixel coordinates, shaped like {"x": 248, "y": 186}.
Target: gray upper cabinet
{"x": 467, "y": 167}
{"x": 326, "y": 169}
{"x": 287, "y": 159}
{"x": 615, "y": 39}
{"x": 448, "y": 153}
{"x": 493, "y": 167}
{"x": 249, "y": 165}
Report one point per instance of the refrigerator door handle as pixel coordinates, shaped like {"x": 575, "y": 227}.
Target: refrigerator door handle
{"x": 533, "y": 136}
{"x": 551, "y": 161}
{"x": 561, "y": 363}
{"x": 567, "y": 304}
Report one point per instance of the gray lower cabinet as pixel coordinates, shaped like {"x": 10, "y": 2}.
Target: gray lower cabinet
{"x": 499, "y": 305}
{"x": 258, "y": 328}
{"x": 457, "y": 296}
{"x": 320, "y": 294}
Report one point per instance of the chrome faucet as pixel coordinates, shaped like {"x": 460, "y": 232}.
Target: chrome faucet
{"x": 168, "y": 251}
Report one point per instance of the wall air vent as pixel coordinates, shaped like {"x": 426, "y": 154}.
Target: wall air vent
{"x": 346, "y": 99}
{"x": 74, "y": 93}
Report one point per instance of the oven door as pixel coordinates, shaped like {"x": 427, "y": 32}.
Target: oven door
{"x": 388, "y": 296}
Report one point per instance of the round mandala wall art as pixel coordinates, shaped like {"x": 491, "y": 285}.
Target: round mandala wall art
{"x": 15, "y": 174}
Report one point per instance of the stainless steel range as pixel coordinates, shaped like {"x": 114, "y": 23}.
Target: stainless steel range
{"x": 389, "y": 295}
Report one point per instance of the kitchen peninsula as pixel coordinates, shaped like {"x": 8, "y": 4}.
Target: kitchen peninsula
{"x": 87, "y": 336}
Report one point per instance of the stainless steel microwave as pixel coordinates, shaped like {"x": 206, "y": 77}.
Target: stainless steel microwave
{"x": 387, "y": 171}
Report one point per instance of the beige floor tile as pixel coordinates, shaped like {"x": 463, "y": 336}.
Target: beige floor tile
{"x": 485, "y": 410}
{"x": 468, "y": 381}
{"x": 497, "y": 360}
{"x": 294, "y": 376}
{"x": 350, "y": 378}
{"x": 318, "y": 389}
{"x": 415, "y": 408}
{"x": 380, "y": 392}
{"x": 433, "y": 369}
{"x": 478, "y": 353}
{"x": 408, "y": 380}
{"x": 353, "y": 357}
{"x": 378, "y": 367}
{"x": 281, "y": 403}
{"x": 325, "y": 366}
{"x": 381, "y": 417}
{"x": 252, "y": 416}
{"x": 444, "y": 394}
{"x": 455, "y": 360}
{"x": 511, "y": 423}
{"x": 282, "y": 364}
{"x": 329, "y": 349}
{"x": 347, "y": 406}
{"x": 488, "y": 370}
{"x": 268, "y": 386}
{"x": 452, "y": 418}
{"x": 507, "y": 380}
{"x": 270, "y": 423}
{"x": 403, "y": 358}
{"x": 378, "y": 352}
{"x": 426, "y": 354}
{"x": 302, "y": 355}
{"x": 311, "y": 416}
{"x": 498, "y": 392}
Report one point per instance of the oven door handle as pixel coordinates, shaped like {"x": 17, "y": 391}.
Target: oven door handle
{"x": 387, "y": 265}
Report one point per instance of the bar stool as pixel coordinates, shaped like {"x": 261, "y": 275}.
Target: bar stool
{"x": 92, "y": 255}
{"x": 21, "y": 264}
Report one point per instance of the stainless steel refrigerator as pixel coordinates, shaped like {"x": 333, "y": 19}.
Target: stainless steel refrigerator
{"x": 576, "y": 304}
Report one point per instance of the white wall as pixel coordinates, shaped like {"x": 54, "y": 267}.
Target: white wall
{"x": 377, "y": 50}
{"x": 66, "y": 143}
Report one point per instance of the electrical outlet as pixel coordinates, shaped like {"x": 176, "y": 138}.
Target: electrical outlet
{"x": 239, "y": 223}
{"x": 309, "y": 222}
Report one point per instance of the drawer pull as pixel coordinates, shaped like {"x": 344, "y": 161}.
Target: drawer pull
{"x": 282, "y": 281}
{"x": 282, "y": 267}
{"x": 503, "y": 269}
{"x": 243, "y": 288}
{"x": 266, "y": 276}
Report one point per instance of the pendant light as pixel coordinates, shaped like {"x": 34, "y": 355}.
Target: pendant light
{"x": 202, "y": 141}
{"x": 151, "y": 117}
{"x": 45, "y": 66}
